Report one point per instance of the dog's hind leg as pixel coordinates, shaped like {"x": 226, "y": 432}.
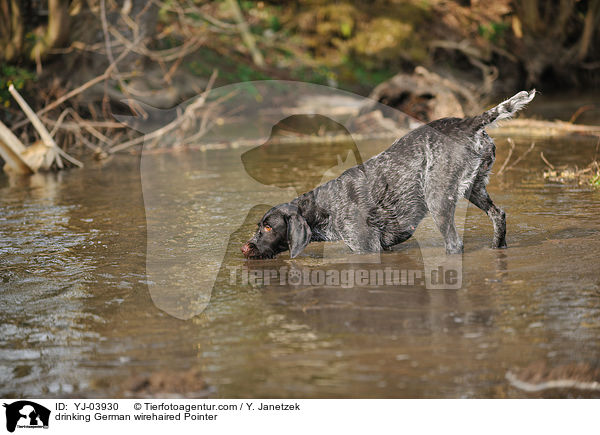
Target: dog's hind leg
{"x": 481, "y": 198}
{"x": 442, "y": 209}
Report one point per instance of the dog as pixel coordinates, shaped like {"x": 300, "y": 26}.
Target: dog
{"x": 379, "y": 203}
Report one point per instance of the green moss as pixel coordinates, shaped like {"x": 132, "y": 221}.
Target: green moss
{"x": 354, "y": 45}
{"x": 494, "y": 31}
{"x": 383, "y": 39}
{"x": 595, "y": 181}
{"x": 375, "y": 38}
{"x": 230, "y": 70}
{"x": 10, "y": 74}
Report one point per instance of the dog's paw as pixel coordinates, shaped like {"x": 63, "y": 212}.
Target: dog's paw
{"x": 499, "y": 244}
{"x": 454, "y": 249}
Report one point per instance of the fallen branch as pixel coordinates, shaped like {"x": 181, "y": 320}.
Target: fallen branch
{"x": 542, "y": 129}
{"x": 552, "y": 384}
{"x": 11, "y": 151}
{"x": 42, "y": 131}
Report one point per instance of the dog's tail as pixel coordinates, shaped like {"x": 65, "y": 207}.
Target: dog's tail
{"x": 503, "y": 110}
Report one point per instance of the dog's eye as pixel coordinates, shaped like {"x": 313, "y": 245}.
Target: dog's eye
{"x": 267, "y": 228}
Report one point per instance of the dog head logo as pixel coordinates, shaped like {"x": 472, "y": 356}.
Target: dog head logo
{"x": 26, "y": 414}
{"x": 281, "y": 160}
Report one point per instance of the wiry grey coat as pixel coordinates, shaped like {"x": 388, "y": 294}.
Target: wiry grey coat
{"x": 378, "y": 204}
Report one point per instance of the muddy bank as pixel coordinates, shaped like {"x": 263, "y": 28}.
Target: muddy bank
{"x": 483, "y": 49}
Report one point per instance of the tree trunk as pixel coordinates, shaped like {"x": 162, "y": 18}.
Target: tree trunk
{"x": 56, "y": 30}
{"x": 13, "y": 28}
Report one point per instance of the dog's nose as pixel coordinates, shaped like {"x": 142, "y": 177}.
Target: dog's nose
{"x": 246, "y": 249}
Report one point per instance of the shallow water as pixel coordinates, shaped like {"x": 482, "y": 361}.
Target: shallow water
{"x": 79, "y": 315}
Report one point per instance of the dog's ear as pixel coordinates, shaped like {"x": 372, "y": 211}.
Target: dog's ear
{"x": 298, "y": 234}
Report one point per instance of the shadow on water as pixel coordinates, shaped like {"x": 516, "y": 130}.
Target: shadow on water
{"x": 78, "y": 319}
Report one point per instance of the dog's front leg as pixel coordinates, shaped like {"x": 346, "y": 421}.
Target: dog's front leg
{"x": 358, "y": 235}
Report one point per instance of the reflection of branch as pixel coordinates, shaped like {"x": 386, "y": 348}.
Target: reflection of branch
{"x": 552, "y": 384}
{"x": 543, "y": 129}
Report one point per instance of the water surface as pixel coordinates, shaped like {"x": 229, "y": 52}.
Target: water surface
{"x": 77, "y": 317}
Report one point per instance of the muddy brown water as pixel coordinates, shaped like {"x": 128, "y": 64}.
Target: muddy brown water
{"x": 77, "y": 317}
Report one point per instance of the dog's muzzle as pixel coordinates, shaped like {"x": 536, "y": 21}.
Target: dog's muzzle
{"x": 248, "y": 249}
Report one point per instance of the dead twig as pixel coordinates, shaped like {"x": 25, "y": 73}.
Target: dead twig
{"x": 72, "y": 126}
{"x": 77, "y": 90}
{"x": 221, "y": 25}
{"x": 512, "y": 148}
{"x": 580, "y": 111}
{"x": 59, "y": 122}
{"x": 550, "y": 165}
{"x": 166, "y": 55}
{"x": 521, "y": 156}
{"x": 187, "y": 114}
{"x": 98, "y": 151}
{"x": 111, "y": 59}
{"x": 247, "y": 36}
{"x": 90, "y": 128}
{"x": 205, "y": 125}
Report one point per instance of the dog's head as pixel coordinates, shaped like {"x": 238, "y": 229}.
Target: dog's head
{"x": 280, "y": 229}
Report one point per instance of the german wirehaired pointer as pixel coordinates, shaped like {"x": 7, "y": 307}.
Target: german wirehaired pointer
{"x": 378, "y": 204}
